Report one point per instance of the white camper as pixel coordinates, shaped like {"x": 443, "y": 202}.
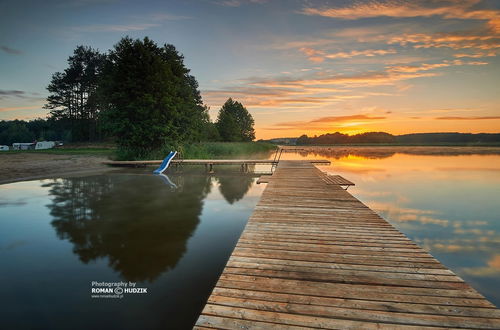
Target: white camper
{"x": 45, "y": 145}
{"x": 23, "y": 146}
{"x": 4, "y": 148}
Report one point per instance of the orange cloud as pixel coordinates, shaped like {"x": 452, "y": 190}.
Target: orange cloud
{"x": 325, "y": 122}
{"x": 334, "y": 119}
{"x": 361, "y": 80}
{"x": 454, "y": 9}
{"x": 426, "y": 66}
{"x": 310, "y": 91}
{"x": 495, "y": 262}
{"x": 468, "y": 118}
{"x": 368, "y": 52}
{"x": 448, "y": 40}
{"x": 20, "y": 108}
{"x": 475, "y": 55}
{"x": 318, "y": 56}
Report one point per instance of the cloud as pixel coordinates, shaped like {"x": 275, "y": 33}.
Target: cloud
{"x": 426, "y": 66}
{"x": 359, "y": 80}
{"x": 368, "y": 52}
{"x": 80, "y": 3}
{"x": 20, "y": 108}
{"x": 168, "y": 17}
{"x": 9, "y": 50}
{"x": 237, "y": 3}
{"x": 454, "y": 9}
{"x": 325, "y": 122}
{"x": 315, "y": 56}
{"x": 5, "y": 93}
{"x": 448, "y": 40}
{"x": 314, "y": 90}
{"x": 469, "y": 118}
{"x": 334, "y": 119}
{"x": 115, "y": 27}
{"x": 476, "y": 55}
{"x": 318, "y": 56}
{"x": 492, "y": 269}
{"x": 11, "y": 93}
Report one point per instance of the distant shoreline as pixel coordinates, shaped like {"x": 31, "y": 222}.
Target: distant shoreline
{"x": 384, "y": 151}
{"x": 402, "y": 145}
{"x": 36, "y": 165}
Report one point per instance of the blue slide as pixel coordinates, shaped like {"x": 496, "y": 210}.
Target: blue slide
{"x": 165, "y": 163}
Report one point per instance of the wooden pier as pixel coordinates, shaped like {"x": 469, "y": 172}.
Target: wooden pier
{"x": 313, "y": 256}
{"x": 208, "y": 163}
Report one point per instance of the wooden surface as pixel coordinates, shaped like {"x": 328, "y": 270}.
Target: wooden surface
{"x": 337, "y": 180}
{"x": 328, "y": 179}
{"x": 313, "y": 256}
{"x": 205, "y": 162}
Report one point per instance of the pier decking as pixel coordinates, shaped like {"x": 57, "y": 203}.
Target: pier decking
{"x": 205, "y": 162}
{"x": 313, "y": 256}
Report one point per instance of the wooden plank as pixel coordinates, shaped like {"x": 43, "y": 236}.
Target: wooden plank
{"x": 280, "y": 319}
{"x": 337, "y": 180}
{"x": 313, "y": 256}
{"x": 354, "y": 314}
{"x": 359, "y": 304}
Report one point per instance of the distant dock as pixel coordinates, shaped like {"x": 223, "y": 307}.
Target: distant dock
{"x": 314, "y": 256}
{"x": 208, "y": 163}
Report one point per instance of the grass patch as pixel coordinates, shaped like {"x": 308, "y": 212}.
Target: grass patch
{"x": 221, "y": 150}
{"x": 204, "y": 150}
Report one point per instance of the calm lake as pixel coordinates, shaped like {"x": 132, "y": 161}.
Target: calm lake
{"x": 171, "y": 235}
{"x": 174, "y": 234}
{"x": 445, "y": 199}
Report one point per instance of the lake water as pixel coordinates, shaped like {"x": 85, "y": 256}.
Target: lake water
{"x": 171, "y": 235}
{"x": 447, "y": 200}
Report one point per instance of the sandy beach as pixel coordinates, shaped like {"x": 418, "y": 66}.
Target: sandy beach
{"x": 27, "y": 166}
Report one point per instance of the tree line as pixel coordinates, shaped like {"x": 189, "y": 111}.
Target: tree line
{"x": 138, "y": 94}
{"x": 386, "y": 138}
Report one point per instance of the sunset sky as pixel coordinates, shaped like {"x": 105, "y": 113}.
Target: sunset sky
{"x": 299, "y": 66}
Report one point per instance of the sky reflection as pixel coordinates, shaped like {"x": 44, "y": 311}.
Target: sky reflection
{"x": 447, "y": 203}
{"x": 58, "y": 235}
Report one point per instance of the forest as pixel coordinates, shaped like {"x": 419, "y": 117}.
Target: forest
{"x": 405, "y": 139}
{"x": 138, "y": 95}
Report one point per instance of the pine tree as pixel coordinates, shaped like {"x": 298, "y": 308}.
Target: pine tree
{"x": 73, "y": 93}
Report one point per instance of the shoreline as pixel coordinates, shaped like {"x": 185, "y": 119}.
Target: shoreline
{"x": 18, "y": 167}
{"x": 26, "y": 166}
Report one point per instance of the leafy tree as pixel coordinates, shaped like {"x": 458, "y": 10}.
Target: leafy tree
{"x": 73, "y": 97}
{"x": 150, "y": 98}
{"x": 235, "y": 123}
{"x": 15, "y": 131}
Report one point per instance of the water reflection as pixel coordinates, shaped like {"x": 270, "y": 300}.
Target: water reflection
{"x": 378, "y": 152}
{"x": 56, "y": 236}
{"x": 445, "y": 199}
{"x": 130, "y": 220}
{"x": 234, "y": 188}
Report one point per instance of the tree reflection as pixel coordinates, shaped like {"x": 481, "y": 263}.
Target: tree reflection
{"x": 140, "y": 224}
{"x": 234, "y": 188}
{"x": 339, "y": 153}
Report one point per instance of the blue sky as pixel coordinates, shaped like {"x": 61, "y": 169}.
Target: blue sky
{"x": 299, "y": 66}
